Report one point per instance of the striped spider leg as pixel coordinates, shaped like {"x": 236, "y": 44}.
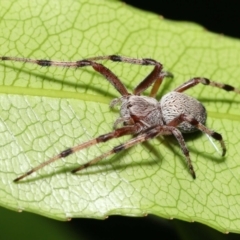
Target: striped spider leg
{"x": 141, "y": 116}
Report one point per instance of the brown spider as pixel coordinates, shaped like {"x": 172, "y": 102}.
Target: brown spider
{"x": 141, "y": 116}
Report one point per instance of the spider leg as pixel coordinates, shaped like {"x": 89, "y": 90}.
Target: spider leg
{"x": 107, "y": 73}
{"x": 187, "y": 118}
{"x": 149, "y": 80}
{"x": 158, "y": 83}
{"x": 102, "y": 138}
{"x": 194, "y": 81}
{"x": 148, "y": 134}
{"x": 155, "y": 75}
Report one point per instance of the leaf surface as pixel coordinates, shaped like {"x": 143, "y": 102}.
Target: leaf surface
{"x": 46, "y": 110}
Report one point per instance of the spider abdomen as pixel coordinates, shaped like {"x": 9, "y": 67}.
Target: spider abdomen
{"x": 174, "y": 104}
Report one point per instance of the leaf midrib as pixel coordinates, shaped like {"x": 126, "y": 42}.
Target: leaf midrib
{"x": 54, "y": 94}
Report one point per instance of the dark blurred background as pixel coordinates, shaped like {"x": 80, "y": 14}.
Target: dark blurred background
{"x": 215, "y": 15}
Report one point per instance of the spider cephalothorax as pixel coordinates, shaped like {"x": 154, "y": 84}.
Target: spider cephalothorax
{"x": 143, "y": 117}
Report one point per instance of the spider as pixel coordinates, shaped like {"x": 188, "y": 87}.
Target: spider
{"x": 140, "y": 116}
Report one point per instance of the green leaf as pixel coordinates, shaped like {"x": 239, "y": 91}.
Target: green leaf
{"x": 46, "y": 110}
